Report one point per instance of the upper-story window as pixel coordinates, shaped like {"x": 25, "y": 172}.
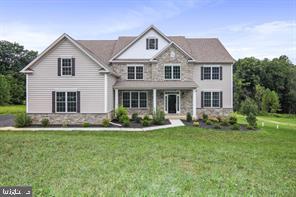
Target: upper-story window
{"x": 211, "y": 73}
{"x": 151, "y": 43}
{"x": 135, "y": 72}
{"x": 172, "y": 72}
{"x": 66, "y": 66}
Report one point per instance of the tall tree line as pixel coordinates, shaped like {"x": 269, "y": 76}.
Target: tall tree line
{"x": 13, "y": 57}
{"x": 277, "y": 75}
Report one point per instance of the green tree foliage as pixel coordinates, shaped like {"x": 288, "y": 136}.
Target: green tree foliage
{"x": 270, "y": 101}
{"x": 252, "y": 76}
{"x": 13, "y": 57}
{"x": 4, "y": 90}
{"x": 249, "y": 106}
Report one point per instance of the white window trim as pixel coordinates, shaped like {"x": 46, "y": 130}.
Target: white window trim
{"x": 66, "y": 102}
{"x": 172, "y": 71}
{"x": 211, "y": 91}
{"x": 130, "y": 100}
{"x": 165, "y": 104}
{"x": 211, "y": 73}
{"x": 151, "y": 38}
{"x": 135, "y": 73}
{"x": 62, "y": 66}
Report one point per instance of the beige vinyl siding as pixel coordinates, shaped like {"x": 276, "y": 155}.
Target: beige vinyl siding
{"x": 87, "y": 80}
{"x": 111, "y": 82}
{"x": 224, "y": 85}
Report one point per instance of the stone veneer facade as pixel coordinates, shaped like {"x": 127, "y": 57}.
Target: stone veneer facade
{"x": 213, "y": 112}
{"x": 69, "y": 118}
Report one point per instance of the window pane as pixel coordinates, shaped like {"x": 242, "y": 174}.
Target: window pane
{"x": 67, "y": 66}
{"x": 139, "y": 72}
{"x": 126, "y": 99}
{"x": 168, "y": 72}
{"x": 135, "y": 99}
{"x": 207, "y": 99}
{"x": 61, "y": 101}
{"x": 143, "y": 99}
{"x": 176, "y": 72}
{"x": 131, "y": 72}
{"x": 207, "y": 72}
{"x": 71, "y": 101}
{"x": 216, "y": 99}
{"x": 215, "y": 73}
{"x": 151, "y": 43}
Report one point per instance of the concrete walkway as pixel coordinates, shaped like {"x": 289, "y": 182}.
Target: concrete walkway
{"x": 174, "y": 123}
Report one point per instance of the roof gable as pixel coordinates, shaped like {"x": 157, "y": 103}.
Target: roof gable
{"x": 56, "y": 43}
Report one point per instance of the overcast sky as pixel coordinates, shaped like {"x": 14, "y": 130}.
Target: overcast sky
{"x": 259, "y": 28}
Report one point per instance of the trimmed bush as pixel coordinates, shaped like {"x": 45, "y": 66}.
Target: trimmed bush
{"x": 232, "y": 119}
{"x": 217, "y": 126}
{"x": 235, "y": 127}
{"x": 86, "y": 124}
{"x": 146, "y": 122}
{"x": 219, "y": 118}
{"x": 146, "y": 117}
{"x": 249, "y": 106}
{"x": 195, "y": 124}
{"x": 106, "y": 122}
{"x": 123, "y": 118}
{"x": 188, "y": 117}
{"x": 135, "y": 116}
{"x": 138, "y": 120}
{"x": 119, "y": 112}
{"x": 208, "y": 122}
{"x": 22, "y": 120}
{"x": 45, "y": 122}
{"x": 205, "y": 117}
{"x": 126, "y": 122}
{"x": 225, "y": 122}
{"x": 213, "y": 119}
{"x": 252, "y": 120}
{"x": 158, "y": 117}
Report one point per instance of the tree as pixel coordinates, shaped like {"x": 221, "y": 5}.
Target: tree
{"x": 260, "y": 91}
{"x": 4, "y": 91}
{"x": 17, "y": 89}
{"x": 249, "y": 106}
{"x": 270, "y": 101}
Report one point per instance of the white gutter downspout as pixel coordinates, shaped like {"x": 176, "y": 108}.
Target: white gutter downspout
{"x": 27, "y": 93}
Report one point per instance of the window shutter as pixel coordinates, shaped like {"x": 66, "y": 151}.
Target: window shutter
{"x": 156, "y": 44}
{"x": 202, "y": 95}
{"x": 221, "y": 99}
{"x": 147, "y": 43}
{"x": 78, "y": 101}
{"x": 221, "y": 74}
{"x": 59, "y": 66}
{"x": 201, "y": 72}
{"x": 53, "y": 101}
{"x": 73, "y": 66}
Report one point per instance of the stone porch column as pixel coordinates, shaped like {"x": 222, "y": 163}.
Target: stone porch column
{"x": 116, "y": 98}
{"x": 154, "y": 100}
{"x": 194, "y": 103}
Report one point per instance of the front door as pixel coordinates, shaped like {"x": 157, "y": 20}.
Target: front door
{"x": 172, "y": 101}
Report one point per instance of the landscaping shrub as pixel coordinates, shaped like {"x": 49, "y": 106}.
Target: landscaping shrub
{"x": 119, "y": 112}
{"x": 85, "y": 124}
{"x": 213, "y": 119}
{"x": 217, "y": 126}
{"x": 146, "y": 122}
{"x": 126, "y": 122}
{"x": 158, "y": 117}
{"x": 138, "y": 120}
{"x": 225, "y": 122}
{"x": 45, "y": 122}
{"x": 123, "y": 118}
{"x": 106, "y": 122}
{"x": 251, "y": 119}
{"x": 249, "y": 106}
{"x": 146, "y": 117}
{"x": 250, "y": 127}
{"x": 235, "y": 127}
{"x": 135, "y": 116}
{"x": 188, "y": 117}
{"x": 22, "y": 120}
{"x": 205, "y": 117}
{"x": 232, "y": 119}
{"x": 219, "y": 118}
{"x": 195, "y": 124}
{"x": 209, "y": 122}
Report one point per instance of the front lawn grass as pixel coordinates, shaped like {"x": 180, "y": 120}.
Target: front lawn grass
{"x": 179, "y": 161}
{"x": 12, "y": 109}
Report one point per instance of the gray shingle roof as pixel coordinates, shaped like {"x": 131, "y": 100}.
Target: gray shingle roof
{"x": 148, "y": 85}
{"x": 204, "y": 50}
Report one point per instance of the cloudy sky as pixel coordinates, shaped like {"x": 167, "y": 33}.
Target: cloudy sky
{"x": 259, "y": 28}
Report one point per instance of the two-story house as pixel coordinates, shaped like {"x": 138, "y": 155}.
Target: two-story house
{"x": 76, "y": 81}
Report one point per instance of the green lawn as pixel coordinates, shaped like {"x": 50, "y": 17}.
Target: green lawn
{"x": 180, "y": 161}
{"x": 12, "y": 109}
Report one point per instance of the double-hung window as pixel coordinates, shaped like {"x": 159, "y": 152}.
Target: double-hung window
{"x": 134, "y": 99}
{"x": 66, "y": 101}
{"x": 172, "y": 72}
{"x": 66, "y": 66}
{"x": 135, "y": 72}
{"x": 212, "y": 99}
{"x": 151, "y": 43}
{"x": 211, "y": 73}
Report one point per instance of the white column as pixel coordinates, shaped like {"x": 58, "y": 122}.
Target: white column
{"x": 194, "y": 103}
{"x": 27, "y": 93}
{"x": 116, "y": 98}
{"x": 105, "y": 92}
{"x": 154, "y": 100}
